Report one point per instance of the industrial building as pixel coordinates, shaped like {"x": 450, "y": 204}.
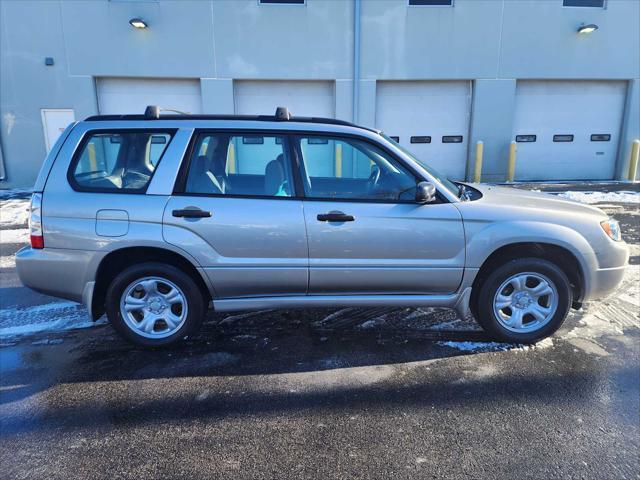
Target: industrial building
{"x": 561, "y": 78}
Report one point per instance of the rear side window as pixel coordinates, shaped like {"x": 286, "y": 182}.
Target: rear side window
{"x": 118, "y": 161}
{"x": 240, "y": 164}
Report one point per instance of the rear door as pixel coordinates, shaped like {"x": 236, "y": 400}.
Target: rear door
{"x": 235, "y": 211}
{"x": 366, "y": 233}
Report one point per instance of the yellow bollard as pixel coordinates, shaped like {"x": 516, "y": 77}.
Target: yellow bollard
{"x": 338, "y": 160}
{"x": 231, "y": 159}
{"x": 511, "y": 171}
{"x": 93, "y": 162}
{"x": 633, "y": 164}
{"x": 477, "y": 173}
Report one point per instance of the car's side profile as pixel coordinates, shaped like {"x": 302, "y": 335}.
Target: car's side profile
{"x": 154, "y": 218}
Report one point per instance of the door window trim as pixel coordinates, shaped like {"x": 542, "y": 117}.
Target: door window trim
{"x": 339, "y": 135}
{"x": 87, "y": 135}
{"x": 299, "y": 194}
{"x": 179, "y": 188}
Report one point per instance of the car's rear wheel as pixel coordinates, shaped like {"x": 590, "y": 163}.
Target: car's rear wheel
{"x": 524, "y": 300}
{"x": 154, "y": 304}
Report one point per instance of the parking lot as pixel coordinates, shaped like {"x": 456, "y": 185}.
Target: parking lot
{"x": 349, "y": 393}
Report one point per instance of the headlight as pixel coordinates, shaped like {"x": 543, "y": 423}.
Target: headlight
{"x": 612, "y": 228}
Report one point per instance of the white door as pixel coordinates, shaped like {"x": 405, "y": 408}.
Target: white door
{"x": 133, "y": 95}
{"x": 568, "y": 130}
{"x": 302, "y": 98}
{"x": 431, "y": 119}
{"x": 54, "y": 122}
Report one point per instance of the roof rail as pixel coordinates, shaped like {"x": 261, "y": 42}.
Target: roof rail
{"x": 282, "y": 114}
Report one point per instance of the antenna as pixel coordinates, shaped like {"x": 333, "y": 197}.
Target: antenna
{"x": 282, "y": 114}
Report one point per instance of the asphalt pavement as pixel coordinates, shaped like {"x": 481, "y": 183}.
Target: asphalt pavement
{"x": 351, "y": 393}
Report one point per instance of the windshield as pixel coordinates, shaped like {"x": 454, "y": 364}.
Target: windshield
{"x": 448, "y": 184}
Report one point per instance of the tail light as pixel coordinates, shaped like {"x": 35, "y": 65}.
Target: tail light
{"x": 35, "y": 221}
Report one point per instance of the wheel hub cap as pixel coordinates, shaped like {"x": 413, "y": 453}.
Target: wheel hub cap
{"x": 153, "y": 307}
{"x": 525, "y": 302}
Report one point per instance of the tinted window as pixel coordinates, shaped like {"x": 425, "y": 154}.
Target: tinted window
{"x": 119, "y": 160}
{"x": 240, "y": 164}
{"x": 349, "y": 168}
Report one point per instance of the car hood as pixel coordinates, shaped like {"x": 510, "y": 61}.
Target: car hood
{"x": 542, "y": 202}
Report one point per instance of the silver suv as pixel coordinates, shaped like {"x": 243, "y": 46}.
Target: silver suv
{"x": 155, "y": 218}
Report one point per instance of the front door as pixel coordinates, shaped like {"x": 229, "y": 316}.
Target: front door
{"x": 235, "y": 213}
{"x": 366, "y": 233}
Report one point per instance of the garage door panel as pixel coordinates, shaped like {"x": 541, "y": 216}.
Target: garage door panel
{"x": 133, "y": 95}
{"x": 588, "y": 110}
{"x": 432, "y": 109}
{"x": 302, "y": 98}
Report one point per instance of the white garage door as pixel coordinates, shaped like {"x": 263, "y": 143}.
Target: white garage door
{"x": 568, "y": 130}
{"x": 302, "y": 98}
{"x": 132, "y": 95}
{"x": 431, "y": 119}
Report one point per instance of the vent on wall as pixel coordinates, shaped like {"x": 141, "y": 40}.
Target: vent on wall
{"x": 563, "y": 138}
{"x": 430, "y": 3}
{"x": 583, "y": 3}
{"x": 282, "y": 2}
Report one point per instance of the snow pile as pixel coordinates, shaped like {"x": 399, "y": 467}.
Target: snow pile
{"x": 14, "y": 212}
{"x": 599, "y": 197}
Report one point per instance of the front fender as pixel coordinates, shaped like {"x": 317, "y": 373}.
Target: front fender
{"x": 485, "y": 238}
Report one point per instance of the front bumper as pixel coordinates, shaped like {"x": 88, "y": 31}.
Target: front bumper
{"x": 603, "y": 280}
{"x": 57, "y": 272}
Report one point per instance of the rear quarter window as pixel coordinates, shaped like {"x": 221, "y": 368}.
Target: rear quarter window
{"x": 118, "y": 160}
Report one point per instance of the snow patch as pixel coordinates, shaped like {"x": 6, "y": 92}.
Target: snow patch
{"x": 14, "y": 212}
{"x": 495, "y": 346}
{"x": 8, "y": 261}
{"x": 25, "y": 321}
{"x": 599, "y": 197}
{"x": 612, "y": 316}
{"x": 20, "y": 235}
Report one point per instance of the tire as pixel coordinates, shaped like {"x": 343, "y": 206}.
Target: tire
{"x": 522, "y": 313}
{"x": 154, "y": 304}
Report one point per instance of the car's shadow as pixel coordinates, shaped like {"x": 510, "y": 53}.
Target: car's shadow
{"x": 244, "y": 365}
{"x": 252, "y": 343}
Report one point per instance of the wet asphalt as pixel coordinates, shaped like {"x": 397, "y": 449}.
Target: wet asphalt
{"x": 383, "y": 393}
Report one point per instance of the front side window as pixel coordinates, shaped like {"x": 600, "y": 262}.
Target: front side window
{"x": 240, "y": 164}
{"x": 345, "y": 168}
{"x": 118, "y": 160}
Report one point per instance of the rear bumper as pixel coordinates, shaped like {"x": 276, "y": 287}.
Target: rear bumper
{"x": 57, "y": 272}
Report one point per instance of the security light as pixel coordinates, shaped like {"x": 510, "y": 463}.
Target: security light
{"x": 139, "y": 23}
{"x": 592, "y": 27}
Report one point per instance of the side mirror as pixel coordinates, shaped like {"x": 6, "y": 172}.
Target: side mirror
{"x": 425, "y": 192}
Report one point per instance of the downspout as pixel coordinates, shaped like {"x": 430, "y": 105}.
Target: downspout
{"x": 356, "y": 59}
{"x": 3, "y": 175}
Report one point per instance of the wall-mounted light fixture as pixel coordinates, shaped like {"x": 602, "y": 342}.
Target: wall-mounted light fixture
{"x": 139, "y": 23}
{"x": 583, "y": 29}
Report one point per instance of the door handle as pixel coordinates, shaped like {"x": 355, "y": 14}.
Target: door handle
{"x": 191, "y": 213}
{"x": 335, "y": 217}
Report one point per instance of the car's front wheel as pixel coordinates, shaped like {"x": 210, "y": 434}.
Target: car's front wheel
{"x": 154, "y": 304}
{"x": 524, "y": 300}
